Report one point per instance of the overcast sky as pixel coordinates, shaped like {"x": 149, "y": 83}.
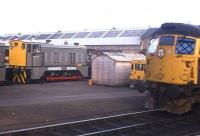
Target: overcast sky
{"x": 32, "y": 16}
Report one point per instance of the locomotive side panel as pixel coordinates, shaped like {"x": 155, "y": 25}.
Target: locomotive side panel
{"x": 3, "y": 74}
{"x": 43, "y": 72}
{"x": 2, "y": 56}
{"x": 57, "y": 63}
{"x": 63, "y": 56}
{"x": 2, "y": 63}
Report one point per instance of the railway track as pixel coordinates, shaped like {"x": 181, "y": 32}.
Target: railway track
{"x": 193, "y": 134}
{"x": 145, "y": 123}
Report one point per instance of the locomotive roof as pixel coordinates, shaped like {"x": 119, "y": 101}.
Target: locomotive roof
{"x": 178, "y": 28}
{"x": 45, "y": 45}
{"x": 106, "y": 37}
{"x": 61, "y": 46}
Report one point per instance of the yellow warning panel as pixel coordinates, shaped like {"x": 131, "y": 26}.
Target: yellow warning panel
{"x": 19, "y": 76}
{"x": 17, "y": 53}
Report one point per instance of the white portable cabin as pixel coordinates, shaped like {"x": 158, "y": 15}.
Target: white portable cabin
{"x": 113, "y": 69}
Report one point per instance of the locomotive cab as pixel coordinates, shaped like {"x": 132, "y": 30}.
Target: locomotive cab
{"x": 34, "y": 54}
{"x": 24, "y": 54}
{"x": 173, "y": 59}
{"x": 172, "y": 71}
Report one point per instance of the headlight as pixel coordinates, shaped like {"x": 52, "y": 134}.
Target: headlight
{"x": 188, "y": 64}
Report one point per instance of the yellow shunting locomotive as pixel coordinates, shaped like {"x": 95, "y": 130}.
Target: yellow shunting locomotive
{"x": 33, "y": 61}
{"x": 172, "y": 70}
{"x": 137, "y": 72}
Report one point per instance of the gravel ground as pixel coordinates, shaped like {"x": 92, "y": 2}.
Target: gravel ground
{"x": 31, "y": 105}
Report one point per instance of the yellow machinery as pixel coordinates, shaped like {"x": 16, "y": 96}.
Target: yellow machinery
{"x": 17, "y": 54}
{"x": 173, "y": 68}
{"x": 137, "y": 72}
{"x": 17, "y": 61}
{"x": 34, "y": 61}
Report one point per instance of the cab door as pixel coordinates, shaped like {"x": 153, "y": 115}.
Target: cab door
{"x": 29, "y": 57}
{"x": 37, "y": 55}
{"x": 2, "y": 57}
{"x": 34, "y": 55}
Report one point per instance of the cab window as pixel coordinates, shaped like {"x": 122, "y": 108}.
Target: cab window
{"x": 28, "y": 47}
{"x": 166, "y": 40}
{"x": 132, "y": 66}
{"x": 139, "y": 67}
{"x": 185, "y": 45}
{"x": 152, "y": 46}
{"x": 36, "y": 48}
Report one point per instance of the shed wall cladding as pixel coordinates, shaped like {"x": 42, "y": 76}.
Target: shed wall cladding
{"x": 106, "y": 71}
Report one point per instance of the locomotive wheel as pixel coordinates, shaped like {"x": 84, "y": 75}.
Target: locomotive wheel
{"x": 178, "y": 106}
{"x": 172, "y": 99}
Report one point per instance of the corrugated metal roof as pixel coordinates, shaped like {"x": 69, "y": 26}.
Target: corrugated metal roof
{"x": 124, "y": 57}
{"x": 99, "y": 37}
{"x": 131, "y": 33}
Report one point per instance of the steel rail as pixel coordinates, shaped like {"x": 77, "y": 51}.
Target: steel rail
{"x": 76, "y": 122}
{"x": 150, "y": 122}
{"x": 193, "y": 134}
{"x": 114, "y": 129}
